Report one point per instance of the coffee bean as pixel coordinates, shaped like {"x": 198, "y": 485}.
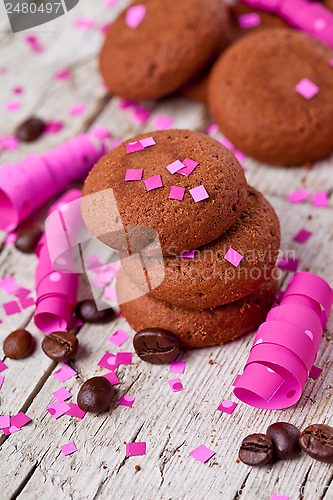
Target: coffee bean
{"x": 30, "y": 130}
{"x": 27, "y": 238}
{"x": 60, "y": 346}
{"x": 317, "y": 441}
{"x": 256, "y": 449}
{"x": 95, "y": 395}
{"x": 156, "y": 345}
{"x": 284, "y": 437}
{"x": 87, "y": 312}
{"x": 19, "y": 344}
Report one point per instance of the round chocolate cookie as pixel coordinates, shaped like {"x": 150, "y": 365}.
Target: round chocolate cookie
{"x": 197, "y": 89}
{"x": 172, "y": 44}
{"x": 208, "y": 279}
{"x": 328, "y": 4}
{"x": 252, "y": 97}
{"x": 193, "y": 327}
{"x": 127, "y": 216}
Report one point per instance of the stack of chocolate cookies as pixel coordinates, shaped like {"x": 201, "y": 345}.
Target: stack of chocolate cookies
{"x": 198, "y": 245}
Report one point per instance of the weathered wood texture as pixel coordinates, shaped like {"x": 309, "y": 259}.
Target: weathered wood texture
{"x": 172, "y": 424}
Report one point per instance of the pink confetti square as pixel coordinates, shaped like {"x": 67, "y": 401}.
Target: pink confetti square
{"x": 83, "y": 23}
{"x": 315, "y": 372}
{"x": 302, "y": 236}
{"x": 112, "y": 378}
{"x": 9, "y": 143}
{"x": 100, "y": 132}
{"x": 53, "y": 127}
{"x": 135, "y": 15}
{"x": 77, "y": 109}
{"x": 63, "y": 74}
{"x": 177, "y": 193}
{"x": 163, "y": 122}
{"x": 153, "y": 182}
{"x": 2, "y": 379}
{"x": 320, "y": 199}
{"x": 298, "y": 196}
{"x": 174, "y": 166}
{"x": 61, "y": 394}
{"x": 306, "y": 88}
{"x": 124, "y": 358}
{"x": 202, "y": 453}
{"x": 233, "y": 257}
{"x": 64, "y": 373}
{"x": 9, "y": 285}
{"x": 227, "y": 406}
{"x": 187, "y": 255}
{"x": 13, "y": 106}
{"x": 133, "y": 174}
{"x": 108, "y": 361}
{"x": 27, "y": 302}
{"x": 199, "y": 193}
{"x": 135, "y": 449}
{"x": 147, "y": 142}
{"x": 11, "y": 308}
{"x": 251, "y": 20}
{"x": 133, "y": 147}
{"x": 190, "y": 165}
{"x": 276, "y": 496}
{"x": 119, "y": 337}
{"x": 175, "y": 385}
{"x": 57, "y": 409}
{"x": 75, "y": 411}
{"x": 68, "y": 449}
{"x": 20, "y": 420}
{"x": 288, "y": 264}
{"x": 18, "y": 90}
{"x": 4, "y": 422}
{"x": 126, "y": 400}
{"x": 141, "y": 114}
{"x": 177, "y": 366}
{"x": 3, "y": 367}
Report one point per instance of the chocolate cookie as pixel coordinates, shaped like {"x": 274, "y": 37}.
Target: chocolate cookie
{"x": 208, "y": 279}
{"x": 181, "y": 224}
{"x": 172, "y": 44}
{"x": 197, "y": 328}
{"x": 253, "y": 99}
{"x": 198, "y": 88}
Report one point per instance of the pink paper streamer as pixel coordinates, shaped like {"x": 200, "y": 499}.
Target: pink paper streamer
{"x": 68, "y": 449}
{"x": 135, "y": 449}
{"x": 64, "y": 373}
{"x": 202, "y": 453}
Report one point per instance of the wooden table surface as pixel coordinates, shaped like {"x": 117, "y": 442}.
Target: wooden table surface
{"x": 172, "y": 424}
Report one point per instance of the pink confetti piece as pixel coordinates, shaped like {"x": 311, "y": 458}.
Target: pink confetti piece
{"x": 199, "y": 193}
{"x": 133, "y": 174}
{"x": 19, "y": 420}
{"x": 163, "y": 122}
{"x": 77, "y": 109}
{"x": 288, "y": 264}
{"x": 227, "y": 406}
{"x": 53, "y": 127}
{"x": 177, "y": 366}
{"x": 83, "y": 23}
{"x": 250, "y": 20}
{"x": 306, "y": 88}
{"x": 175, "y": 385}
{"x": 57, "y": 409}
{"x": 9, "y": 285}
{"x": 18, "y": 90}
{"x": 175, "y": 166}
{"x": 189, "y": 166}
{"x": 177, "y": 193}
{"x": 100, "y": 132}
{"x": 11, "y": 308}
{"x": 124, "y": 358}
{"x": 10, "y": 238}
{"x": 119, "y": 337}
{"x": 133, "y": 147}
{"x": 34, "y": 44}
{"x": 320, "y": 199}
{"x": 61, "y": 394}
{"x": 233, "y": 257}
{"x": 112, "y": 378}
{"x": 202, "y": 453}
{"x": 276, "y": 496}
{"x": 126, "y": 400}
{"x": 302, "y": 236}
{"x": 298, "y": 196}
{"x": 63, "y": 74}
{"x": 108, "y": 361}
{"x": 64, "y": 373}
{"x": 153, "y": 182}
{"x": 3, "y": 367}
{"x": 148, "y": 142}
{"x": 4, "y": 422}
{"x": 68, "y": 449}
{"x": 315, "y": 372}
{"x": 75, "y": 411}
{"x": 26, "y": 302}
{"x": 141, "y": 114}
{"x": 136, "y": 449}
{"x": 13, "y": 106}
{"x": 9, "y": 143}
{"x": 2, "y": 379}
{"x": 187, "y": 255}
{"x": 135, "y": 15}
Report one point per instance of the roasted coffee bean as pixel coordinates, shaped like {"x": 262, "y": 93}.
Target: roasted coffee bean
{"x": 87, "y": 312}
{"x": 317, "y": 441}
{"x": 156, "y": 346}
{"x": 60, "y": 346}
{"x": 256, "y": 449}
{"x": 30, "y": 130}
{"x": 19, "y": 344}
{"x": 284, "y": 437}
{"x": 95, "y": 395}
{"x": 27, "y": 238}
